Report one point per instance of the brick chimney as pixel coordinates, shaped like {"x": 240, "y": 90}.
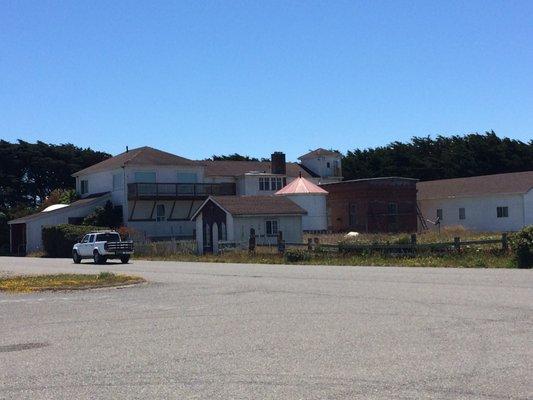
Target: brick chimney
{"x": 278, "y": 163}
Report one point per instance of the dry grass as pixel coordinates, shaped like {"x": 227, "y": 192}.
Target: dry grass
{"x": 469, "y": 258}
{"x": 446, "y": 234}
{"x": 65, "y": 282}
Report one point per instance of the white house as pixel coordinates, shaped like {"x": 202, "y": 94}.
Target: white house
{"x": 325, "y": 164}
{"x": 312, "y": 199}
{"x": 502, "y": 202}
{"x": 232, "y": 218}
{"x": 158, "y": 192}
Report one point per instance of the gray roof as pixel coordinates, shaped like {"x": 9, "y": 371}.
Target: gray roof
{"x": 256, "y": 205}
{"x": 511, "y": 183}
{"x": 140, "y": 156}
{"x": 95, "y": 198}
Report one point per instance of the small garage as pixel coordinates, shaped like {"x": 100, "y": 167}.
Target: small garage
{"x": 231, "y": 218}
{"x": 26, "y": 232}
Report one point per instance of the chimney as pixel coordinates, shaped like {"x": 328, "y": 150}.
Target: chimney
{"x": 278, "y": 163}
{"x": 127, "y": 149}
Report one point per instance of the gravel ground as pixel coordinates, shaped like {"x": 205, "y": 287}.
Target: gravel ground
{"x": 224, "y": 331}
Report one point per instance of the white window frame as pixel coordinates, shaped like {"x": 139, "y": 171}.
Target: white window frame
{"x": 502, "y": 212}
{"x": 159, "y": 217}
{"x": 118, "y": 182}
{"x": 274, "y": 227}
{"x": 82, "y": 191}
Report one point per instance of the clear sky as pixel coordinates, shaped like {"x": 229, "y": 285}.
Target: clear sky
{"x": 200, "y": 78}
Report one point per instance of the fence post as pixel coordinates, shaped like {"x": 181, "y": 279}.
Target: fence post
{"x": 505, "y": 242}
{"x": 281, "y": 243}
{"x": 457, "y": 243}
{"x": 251, "y": 240}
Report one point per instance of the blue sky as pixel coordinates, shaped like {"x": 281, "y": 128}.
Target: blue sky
{"x": 200, "y": 78}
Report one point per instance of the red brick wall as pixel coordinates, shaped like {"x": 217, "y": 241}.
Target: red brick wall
{"x": 370, "y": 200}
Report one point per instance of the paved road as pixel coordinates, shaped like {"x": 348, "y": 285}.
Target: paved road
{"x": 215, "y": 331}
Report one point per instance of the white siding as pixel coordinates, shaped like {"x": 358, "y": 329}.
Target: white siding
{"x": 291, "y": 226}
{"x": 319, "y": 165}
{"x": 480, "y": 212}
{"x": 34, "y": 227}
{"x": 315, "y": 205}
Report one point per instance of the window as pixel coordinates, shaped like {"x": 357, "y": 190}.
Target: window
{"x": 145, "y": 177}
{"x": 353, "y": 215}
{"x": 85, "y": 239}
{"x": 108, "y": 237}
{"x": 271, "y": 228}
{"x": 502, "y": 212}
{"x": 160, "y": 212}
{"x": 276, "y": 183}
{"x": 84, "y": 186}
{"x": 91, "y": 238}
{"x": 328, "y": 165}
{"x": 117, "y": 181}
{"x": 264, "y": 184}
{"x": 462, "y": 213}
{"x": 187, "y": 177}
{"x": 439, "y": 214}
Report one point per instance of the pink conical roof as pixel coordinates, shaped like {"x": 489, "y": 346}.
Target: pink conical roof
{"x": 301, "y": 186}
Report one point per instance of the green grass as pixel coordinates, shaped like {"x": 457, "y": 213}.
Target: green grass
{"x": 33, "y": 283}
{"x": 463, "y": 259}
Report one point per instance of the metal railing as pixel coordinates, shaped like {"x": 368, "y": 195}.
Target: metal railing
{"x": 177, "y": 190}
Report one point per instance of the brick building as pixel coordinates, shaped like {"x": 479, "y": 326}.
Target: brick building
{"x": 372, "y": 205}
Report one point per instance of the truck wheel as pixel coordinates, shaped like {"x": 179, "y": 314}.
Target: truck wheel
{"x": 125, "y": 259}
{"x": 76, "y": 257}
{"x": 98, "y": 259}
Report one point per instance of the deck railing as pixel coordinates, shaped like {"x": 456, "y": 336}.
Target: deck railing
{"x": 138, "y": 191}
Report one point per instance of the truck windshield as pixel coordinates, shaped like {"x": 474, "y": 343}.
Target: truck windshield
{"x": 108, "y": 237}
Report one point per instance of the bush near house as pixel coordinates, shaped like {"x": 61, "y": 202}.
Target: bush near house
{"x": 108, "y": 215}
{"x": 522, "y": 244}
{"x": 58, "y": 240}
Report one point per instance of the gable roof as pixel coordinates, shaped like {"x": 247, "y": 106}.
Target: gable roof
{"x": 254, "y": 205}
{"x": 510, "y": 183}
{"x": 320, "y": 152}
{"x": 140, "y": 156}
{"x": 301, "y": 186}
{"x": 238, "y": 168}
{"x": 87, "y": 201}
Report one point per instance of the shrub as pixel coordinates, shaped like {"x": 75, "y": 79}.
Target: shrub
{"x": 59, "y": 239}
{"x": 297, "y": 255}
{"x": 522, "y": 244}
{"x": 105, "y": 216}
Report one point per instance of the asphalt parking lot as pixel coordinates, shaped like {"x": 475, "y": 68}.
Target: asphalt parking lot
{"x": 225, "y": 331}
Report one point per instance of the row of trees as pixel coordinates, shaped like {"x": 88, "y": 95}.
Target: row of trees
{"x": 35, "y": 175}
{"x": 425, "y": 158}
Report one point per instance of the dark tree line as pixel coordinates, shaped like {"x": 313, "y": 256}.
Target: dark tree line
{"x": 29, "y": 172}
{"x": 441, "y": 158}
{"x": 236, "y": 157}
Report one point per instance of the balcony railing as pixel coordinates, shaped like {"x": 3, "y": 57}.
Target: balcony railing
{"x": 147, "y": 191}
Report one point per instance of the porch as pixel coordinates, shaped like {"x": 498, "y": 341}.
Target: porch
{"x": 175, "y": 191}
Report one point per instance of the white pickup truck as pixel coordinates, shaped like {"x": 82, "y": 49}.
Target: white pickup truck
{"x": 101, "y": 246}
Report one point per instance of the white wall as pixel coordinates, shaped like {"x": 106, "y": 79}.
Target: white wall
{"x": 101, "y": 182}
{"x": 319, "y": 165}
{"x": 528, "y": 208}
{"x": 315, "y": 205}
{"x": 480, "y": 212}
{"x": 34, "y": 227}
{"x": 291, "y": 226}
{"x": 164, "y": 173}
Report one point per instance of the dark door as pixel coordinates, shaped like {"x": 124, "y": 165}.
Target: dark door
{"x": 208, "y": 238}
{"x": 18, "y": 239}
